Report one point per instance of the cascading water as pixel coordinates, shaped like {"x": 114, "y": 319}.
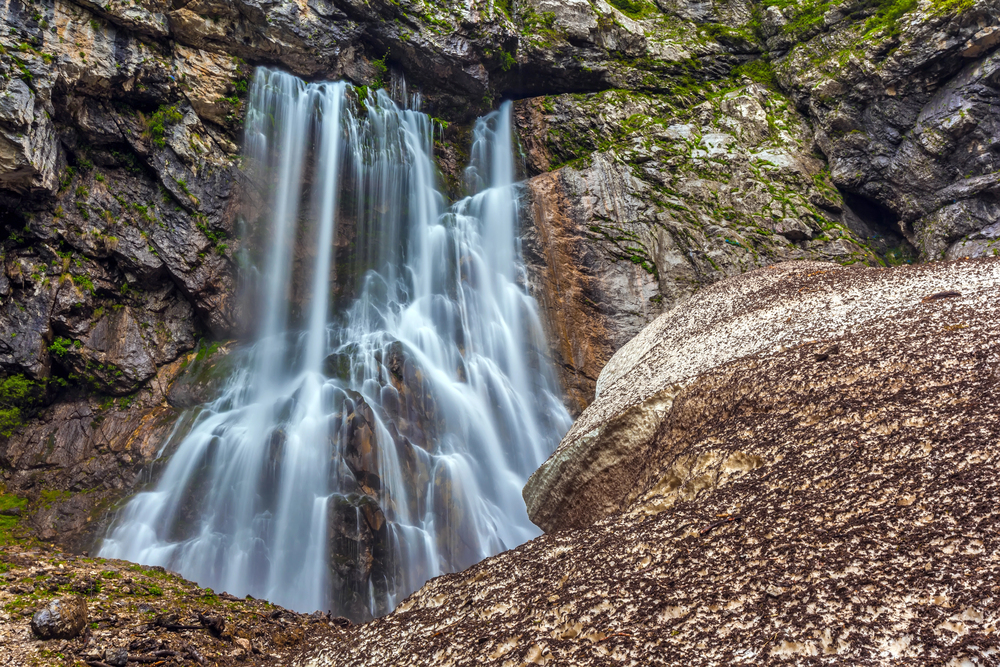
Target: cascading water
{"x": 358, "y": 451}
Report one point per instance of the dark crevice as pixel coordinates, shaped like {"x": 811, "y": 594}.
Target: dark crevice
{"x": 878, "y": 226}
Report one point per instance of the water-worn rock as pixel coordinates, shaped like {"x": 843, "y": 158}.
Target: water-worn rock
{"x": 815, "y": 499}
{"x": 63, "y": 618}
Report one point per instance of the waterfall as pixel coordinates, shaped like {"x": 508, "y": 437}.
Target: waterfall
{"x": 378, "y": 434}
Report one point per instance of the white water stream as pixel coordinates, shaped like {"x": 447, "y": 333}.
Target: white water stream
{"x": 358, "y": 451}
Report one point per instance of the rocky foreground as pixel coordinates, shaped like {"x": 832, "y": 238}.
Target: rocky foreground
{"x": 825, "y": 497}
{"x": 63, "y": 609}
{"x": 58, "y": 608}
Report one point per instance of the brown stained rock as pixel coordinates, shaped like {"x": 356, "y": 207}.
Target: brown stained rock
{"x": 209, "y": 78}
{"x": 63, "y": 618}
{"x": 594, "y": 470}
{"x": 653, "y": 201}
{"x": 788, "y": 513}
{"x": 590, "y": 304}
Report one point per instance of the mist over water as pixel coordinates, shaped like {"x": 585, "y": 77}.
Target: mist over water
{"x": 358, "y": 450}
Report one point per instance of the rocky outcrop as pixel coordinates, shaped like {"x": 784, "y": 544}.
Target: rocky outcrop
{"x": 822, "y": 495}
{"x": 77, "y": 457}
{"x": 655, "y": 201}
{"x": 804, "y": 130}
{"x": 61, "y": 609}
{"x": 904, "y": 107}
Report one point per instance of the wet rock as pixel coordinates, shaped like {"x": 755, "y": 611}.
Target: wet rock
{"x": 116, "y": 657}
{"x": 339, "y": 364}
{"x": 360, "y": 554}
{"x": 204, "y": 378}
{"x": 63, "y": 618}
{"x": 214, "y": 623}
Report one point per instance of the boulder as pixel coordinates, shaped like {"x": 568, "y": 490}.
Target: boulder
{"x": 63, "y": 618}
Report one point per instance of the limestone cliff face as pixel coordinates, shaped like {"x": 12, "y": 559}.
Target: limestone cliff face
{"x": 672, "y": 199}
{"x": 667, "y": 145}
{"x": 817, "y": 489}
{"x": 800, "y": 130}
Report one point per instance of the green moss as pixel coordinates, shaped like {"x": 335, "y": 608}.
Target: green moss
{"x": 85, "y": 283}
{"x": 60, "y": 346}
{"x": 67, "y": 178}
{"x": 50, "y": 496}
{"x": 156, "y": 125}
{"x": 886, "y": 18}
{"x": 18, "y": 398}
{"x": 759, "y": 70}
{"x": 215, "y": 237}
{"x": 539, "y": 29}
{"x": 635, "y": 9}
{"x": 942, "y": 7}
{"x": 8, "y": 524}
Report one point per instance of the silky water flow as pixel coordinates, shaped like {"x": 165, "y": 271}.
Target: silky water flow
{"x": 357, "y": 451}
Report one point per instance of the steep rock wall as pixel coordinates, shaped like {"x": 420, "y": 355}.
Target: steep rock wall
{"x": 667, "y": 145}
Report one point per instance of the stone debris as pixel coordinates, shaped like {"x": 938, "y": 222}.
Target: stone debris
{"x": 63, "y": 609}
{"x": 787, "y": 511}
{"x": 766, "y": 311}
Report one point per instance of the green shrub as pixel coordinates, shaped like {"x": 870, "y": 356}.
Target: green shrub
{"x": 632, "y": 8}
{"x": 156, "y": 125}
{"x": 18, "y": 396}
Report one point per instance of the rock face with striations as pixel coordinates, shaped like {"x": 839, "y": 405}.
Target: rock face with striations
{"x": 817, "y": 487}
{"x": 668, "y": 145}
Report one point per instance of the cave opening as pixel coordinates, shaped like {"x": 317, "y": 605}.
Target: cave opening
{"x": 879, "y": 227}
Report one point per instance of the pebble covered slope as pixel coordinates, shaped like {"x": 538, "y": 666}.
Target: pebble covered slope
{"x": 764, "y": 311}
{"x": 831, "y": 502}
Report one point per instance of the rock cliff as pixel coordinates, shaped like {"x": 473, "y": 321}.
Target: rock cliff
{"x": 817, "y": 489}
{"x": 667, "y": 145}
